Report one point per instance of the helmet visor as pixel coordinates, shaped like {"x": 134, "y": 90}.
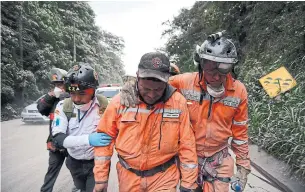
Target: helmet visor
{"x": 224, "y": 68}
{"x": 213, "y": 67}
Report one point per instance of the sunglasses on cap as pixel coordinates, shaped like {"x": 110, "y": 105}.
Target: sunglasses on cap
{"x": 212, "y": 67}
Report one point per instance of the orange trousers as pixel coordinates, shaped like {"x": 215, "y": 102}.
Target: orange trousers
{"x": 160, "y": 182}
{"x": 226, "y": 169}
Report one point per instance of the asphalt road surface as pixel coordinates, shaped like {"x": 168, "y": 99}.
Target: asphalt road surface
{"x": 24, "y": 162}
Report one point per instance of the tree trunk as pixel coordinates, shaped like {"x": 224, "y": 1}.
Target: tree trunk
{"x": 21, "y": 101}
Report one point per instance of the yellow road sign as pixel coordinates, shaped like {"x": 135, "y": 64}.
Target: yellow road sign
{"x": 277, "y": 82}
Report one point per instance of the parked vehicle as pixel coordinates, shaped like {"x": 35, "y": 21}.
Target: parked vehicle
{"x": 109, "y": 91}
{"x": 30, "y": 114}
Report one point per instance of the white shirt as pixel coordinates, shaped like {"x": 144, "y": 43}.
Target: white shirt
{"x": 77, "y": 142}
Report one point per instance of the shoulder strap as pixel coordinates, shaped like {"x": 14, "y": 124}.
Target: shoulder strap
{"x": 103, "y": 101}
{"x": 68, "y": 108}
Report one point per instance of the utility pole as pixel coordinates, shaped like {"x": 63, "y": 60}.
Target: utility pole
{"x": 22, "y": 89}
{"x": 74, "y": 46}
{"x": 20, "y": 36}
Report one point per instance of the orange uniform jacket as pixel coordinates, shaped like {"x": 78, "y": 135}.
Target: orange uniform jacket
{"x": 214, "y": 121}
{"x": 146, "y": 138}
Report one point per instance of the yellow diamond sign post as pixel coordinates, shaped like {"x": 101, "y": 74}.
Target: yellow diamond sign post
{"x": 277, "y": 82}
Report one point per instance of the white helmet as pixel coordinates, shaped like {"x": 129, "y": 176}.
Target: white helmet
{"x": 217, "y": 48}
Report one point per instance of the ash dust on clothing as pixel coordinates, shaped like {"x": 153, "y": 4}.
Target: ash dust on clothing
{"x": 77, "y": 129}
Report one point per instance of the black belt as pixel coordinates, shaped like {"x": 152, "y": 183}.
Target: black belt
{"x": 81, "y": 160}
{"x": 211, "y": 179}
{"x": 151, "y": 172}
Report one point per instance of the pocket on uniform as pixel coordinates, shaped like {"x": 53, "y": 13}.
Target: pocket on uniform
{"x": 169, "y": 135}
{"x": 91, "y": 128}
{"x": 73, "y": 124}
{"x": 127, "y": 140}
{"x": 221, "y": 129}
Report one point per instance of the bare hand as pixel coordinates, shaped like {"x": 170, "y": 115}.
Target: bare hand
{"x": 129, "y": 97}
{"x": 100, "y": 187}
{"x": 51, "y": 93}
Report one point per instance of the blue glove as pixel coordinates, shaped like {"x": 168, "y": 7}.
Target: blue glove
{"x": 99, "y": 139}
{"x": 236, "y": 186}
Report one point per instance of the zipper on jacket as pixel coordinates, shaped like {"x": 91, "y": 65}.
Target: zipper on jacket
{"x": 161, "y": 130}
{"x": 161, "y": 126}
{"x": 210, "y": 106}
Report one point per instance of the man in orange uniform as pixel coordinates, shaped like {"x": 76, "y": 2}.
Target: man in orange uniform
{"x": 149, "y": 136}
{"x": 218, "y": 107}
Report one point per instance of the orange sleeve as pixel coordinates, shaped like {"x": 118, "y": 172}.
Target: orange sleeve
{"x": 187, "y": 151}
{"x": 102, "y": 155}
{"x": 175, "y": 81}
{"x": 240, "y": 132}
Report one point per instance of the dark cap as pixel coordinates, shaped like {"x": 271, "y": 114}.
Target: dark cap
{"x": 156, "y": 65}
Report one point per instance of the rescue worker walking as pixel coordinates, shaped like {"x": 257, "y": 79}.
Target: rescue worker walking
{"x": 218, "y": 107}
{"x": 46, "y": 106}
{"x": 74, "y": 125}
{"x": 148, "y": 137}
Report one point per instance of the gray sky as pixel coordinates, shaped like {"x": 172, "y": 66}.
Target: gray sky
{"x": 138, "y": 22}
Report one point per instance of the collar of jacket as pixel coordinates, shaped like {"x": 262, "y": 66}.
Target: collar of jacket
{"x": 168, "y": 93}
{"x": 95, "y": 101}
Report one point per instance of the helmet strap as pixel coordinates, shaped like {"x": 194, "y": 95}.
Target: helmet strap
{"x": 202, "y": 92}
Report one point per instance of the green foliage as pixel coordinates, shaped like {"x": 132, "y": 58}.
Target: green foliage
{"x": 37, "y": 36}
{"x": 268, "y": 35}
